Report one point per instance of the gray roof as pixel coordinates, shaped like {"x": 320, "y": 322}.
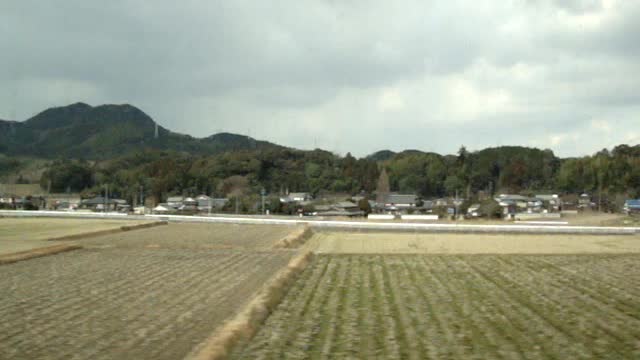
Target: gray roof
{"x": 341, "y": 213}
{"x": 98, "y": 200}
{"x": 345, "y": 204}
{"x": 401, "y": 199}
{"x": 513, "y": 197}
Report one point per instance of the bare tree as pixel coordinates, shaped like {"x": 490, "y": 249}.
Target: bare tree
{"x": 234, "y": 186}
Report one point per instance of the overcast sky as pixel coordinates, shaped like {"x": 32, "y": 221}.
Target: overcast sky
{"x": 343, "y": 75}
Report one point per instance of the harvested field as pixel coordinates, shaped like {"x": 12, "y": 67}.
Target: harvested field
{"x": 457, "y": 307}
{"x": 47, "y": 228}
{"x": 21, "y": 234}
{"x": 125, "y": 303}
{"x": 439, "y": 243}
{"x": 192, "y": 236}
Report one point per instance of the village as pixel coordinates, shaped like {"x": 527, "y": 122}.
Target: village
{"x": 384, "y": 206}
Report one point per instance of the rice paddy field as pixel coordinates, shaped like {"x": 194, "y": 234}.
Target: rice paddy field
{"x": 443, "y": 243}
{"x": 457, "y": 307}
{"x": 164, "y": 292}
{"x": 152, "y": 293}
{"x": 21, "y": 234}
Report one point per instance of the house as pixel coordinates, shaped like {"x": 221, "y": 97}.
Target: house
{"x": 551, "y": 203}
{"x": 188, "y": 204}
{"x": 512, "y": 204}
{"x": 585, "y": 203}
{"x": 6, "y": 199}
{"x": 28, "y": 203}
{"x": 427, "y": 206}
{"x": 161, "y": 208}
{"x": 297, "y": 197}
{"x": 100, "y": 203}
{"x": 399, "y": 202}
{"x": 63, "y": 201}
{"x": 535, "y": 205}
{"x": 632, "y": 206}
{"x": 175, "y": 202}
{"x": 342, "y": 208}
{"x": 204, "y": 203}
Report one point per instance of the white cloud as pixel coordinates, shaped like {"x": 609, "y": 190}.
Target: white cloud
{"x": 346, "y": 76}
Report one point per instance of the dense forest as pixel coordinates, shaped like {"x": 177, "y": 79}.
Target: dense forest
{"x": 502, "y": 169}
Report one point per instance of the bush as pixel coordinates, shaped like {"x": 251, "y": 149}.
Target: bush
{"x": 491, "y": 209}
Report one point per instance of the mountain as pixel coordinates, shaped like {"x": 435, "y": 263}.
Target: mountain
{"x": 83, "y": 131}
{"x": 381, "y": 155}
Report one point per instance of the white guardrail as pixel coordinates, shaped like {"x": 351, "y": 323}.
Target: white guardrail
{"x": 419, "y": 217}
{"x": 364, "y": 225}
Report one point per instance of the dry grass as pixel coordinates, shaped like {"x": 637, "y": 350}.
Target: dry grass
{"x": 296, "y": 238}
{"x": 434, "y": 243}
{"x": 246, "y": 323}
{"x": 34, "y": 253}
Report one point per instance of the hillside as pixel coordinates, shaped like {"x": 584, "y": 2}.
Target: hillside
{"x": 82, "y": 131}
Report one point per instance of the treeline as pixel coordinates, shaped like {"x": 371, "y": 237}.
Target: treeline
{"x": 502, "y": 169}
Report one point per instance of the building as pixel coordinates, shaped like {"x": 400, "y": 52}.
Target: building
{"x": 551, "y": 203}
{"x": 342, "y": 208}
{"x": 632, "y": 206}
{"x": 399, "y": 203}
{"x": 161, "y": 208}
{"x": 63, "y": 201}
{"x": 189, "y": 204}
{"x": 175, "y": 202}
{"x": 297, "y": 197}
{"x": 585, "y": 203}
{"x": 100, "y": 203}
{"x": 204, "y": 203}
{"x": 512, "y": 204}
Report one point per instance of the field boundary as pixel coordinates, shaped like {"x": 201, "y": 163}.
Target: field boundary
{"x": 107, "y": 231}
{"x": 246, "y": 323}
{"x": 35, "y": 253}
{"x": 296, "y": 238}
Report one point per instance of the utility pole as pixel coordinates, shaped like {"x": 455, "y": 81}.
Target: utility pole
{"x": 263, "y": 193}
{"x": 142, "y": 197}
{"x": 456, "y": 204}
{"x": 106, "y": 197}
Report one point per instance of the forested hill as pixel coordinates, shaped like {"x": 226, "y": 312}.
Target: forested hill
{"x": 126, "y": 154}
{"x": 85, "y": 132}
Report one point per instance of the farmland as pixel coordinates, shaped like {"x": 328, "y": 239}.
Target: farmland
{"x": 164, "y": 292}
{"x": 116, "y": 303}
{"x": 46, "y": 228}
{"x": 457, "y": 306}
{"x": 196, "y": 236}
{"x": 153, "y": 293}
{"x": 442, "y": 243}
{"x": 19, "y": 234}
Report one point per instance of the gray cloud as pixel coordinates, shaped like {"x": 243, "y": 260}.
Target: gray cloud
{"x": 353, "y": 76}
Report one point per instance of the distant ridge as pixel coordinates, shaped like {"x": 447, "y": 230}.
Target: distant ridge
{"x": 83, "y": 131}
